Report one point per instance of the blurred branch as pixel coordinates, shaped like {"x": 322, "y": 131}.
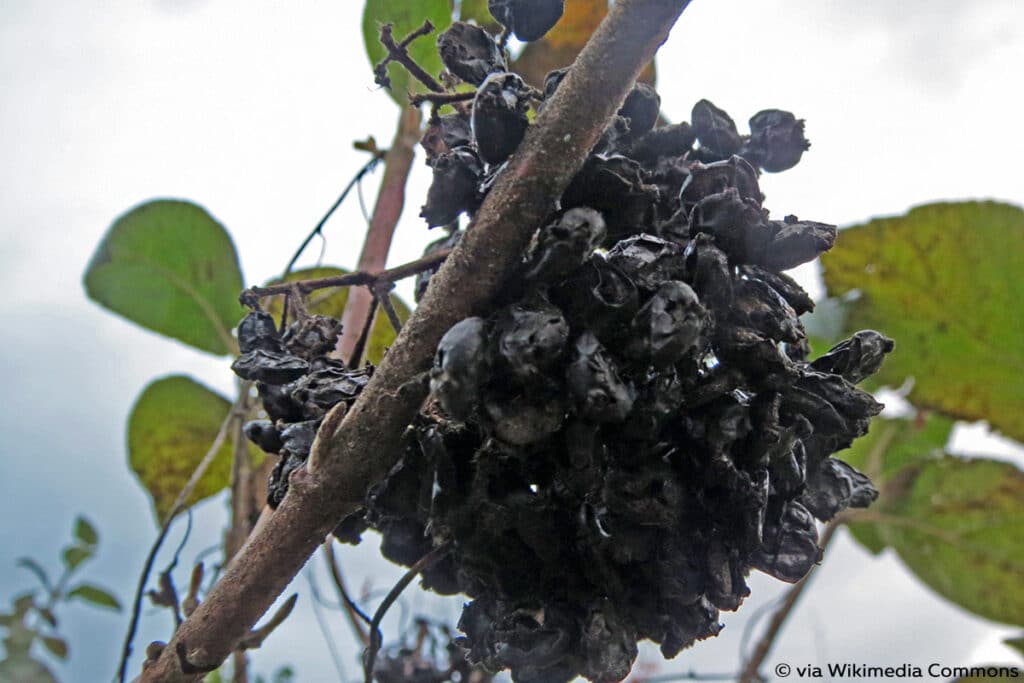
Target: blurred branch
{"x": 386, "y": 212}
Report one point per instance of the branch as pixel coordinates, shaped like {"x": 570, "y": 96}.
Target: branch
{"x": 751, "y": 670}
{"x": 376, "y": 637}
{"x": 397, "y": 53}
{"x": 348, "y": 459}
{"x": 250, "y": 296}
{"x": 386, "y": 212}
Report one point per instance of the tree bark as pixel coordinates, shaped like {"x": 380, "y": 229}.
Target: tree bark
{"x": 349, "y": 457}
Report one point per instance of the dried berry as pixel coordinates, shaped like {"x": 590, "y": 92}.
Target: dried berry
{"x": 641, "y": 108}
{"x": 715, "y": 130}
{"x": 459, "y": 367}
{"x": 470, "y": 52}
{"x": 444, "y": 134}
{"x": 529, "y": 20}
{"x": 455, "y": 188}
{"x": 565, "y": 244}
{"x": 856, "y": 358}
{"x": 499, "y": 116}
{"x": 776, "y": 140}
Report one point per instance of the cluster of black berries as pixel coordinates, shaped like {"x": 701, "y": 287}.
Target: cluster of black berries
{"x": 637, "y": 425}
{"x": 297, "y": 383}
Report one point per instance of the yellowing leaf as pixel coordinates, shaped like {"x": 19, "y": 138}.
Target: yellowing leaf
{"x": 946, "y": 281}
{"x": 170, "y": 429}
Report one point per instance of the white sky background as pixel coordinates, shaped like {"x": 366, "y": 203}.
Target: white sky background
{"x": 250, "y": 109}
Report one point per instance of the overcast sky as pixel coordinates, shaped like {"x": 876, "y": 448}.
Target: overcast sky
{"x": 250, "y": 108}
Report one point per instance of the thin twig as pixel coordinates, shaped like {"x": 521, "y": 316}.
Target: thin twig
{"x": 751, "y": 670}
{"x": 440, "y": 99}
{"x": 405, "y": 270}
{"x": 356, "y": 617}
{"x": 179, "y": 503}
{"x": 397, "y": 53}
{"x": 367, "y": 168}
{"x": 364, "y": 337}
{"x": 382, "y": 291}
{"x": 376, "y": 636}
{"x": 258, "y": 635}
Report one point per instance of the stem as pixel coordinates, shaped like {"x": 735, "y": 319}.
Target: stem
{"x": 356, "y": 618}
{"x": 346, "y": 460}
{"x": 252, "y": 295}
{"x": 752, "y": 668}
{"x": 422, "y": 564}
{"x": 387, "y": 211}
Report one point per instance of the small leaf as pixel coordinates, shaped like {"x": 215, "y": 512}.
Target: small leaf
{"x": 85, "y": 532}
{"x": 331, "y": 302}
{"x": 405, "y": 17}
{"x": 95, "y": 596}
{"x": 955, "y": 523}
{"x": 74, "y": 555}
{"x": 946, "y": 282}
{"x": 171, "y": 427}
{"x": 24, "y": 669}
{"x": 58, "y": 647}
{"x": 40, "y": 573}
{"x": 1016, "y": 643}
{"x": 170, "y": 267}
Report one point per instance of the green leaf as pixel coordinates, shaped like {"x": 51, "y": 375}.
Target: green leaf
{"x": 169, "y": 266}
{"x": 40, "y": 573}
{"x": 75, "y": 555}
{"x": 405, "y": 17}
{"x": 24, "y": 669}
{"x": 946, "y": 281}
{"x": 955, "y": 523}
{"x": 85, "y": 532}
{"x": 171, "y": 427}
{"x": 58, "y": 647}
{"x": 332, "y": 302}
{"x": 94, "y": 595}
{"x": 1016, "y": 643}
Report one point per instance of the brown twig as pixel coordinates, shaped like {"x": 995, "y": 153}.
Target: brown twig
{"x": 356, "y": 617}
{"x": 397, "y": 53}
{"x": 751, "y": 670}
{"x": 369, "y": 440}
{"x": 258, "y": 635}
{"x": 439, "y": 99}
{"x": 364, "y": 336}
{"x": 357, "y": 278}
{"x": 382, "y": 290}
{"x": 376, "y": 637}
